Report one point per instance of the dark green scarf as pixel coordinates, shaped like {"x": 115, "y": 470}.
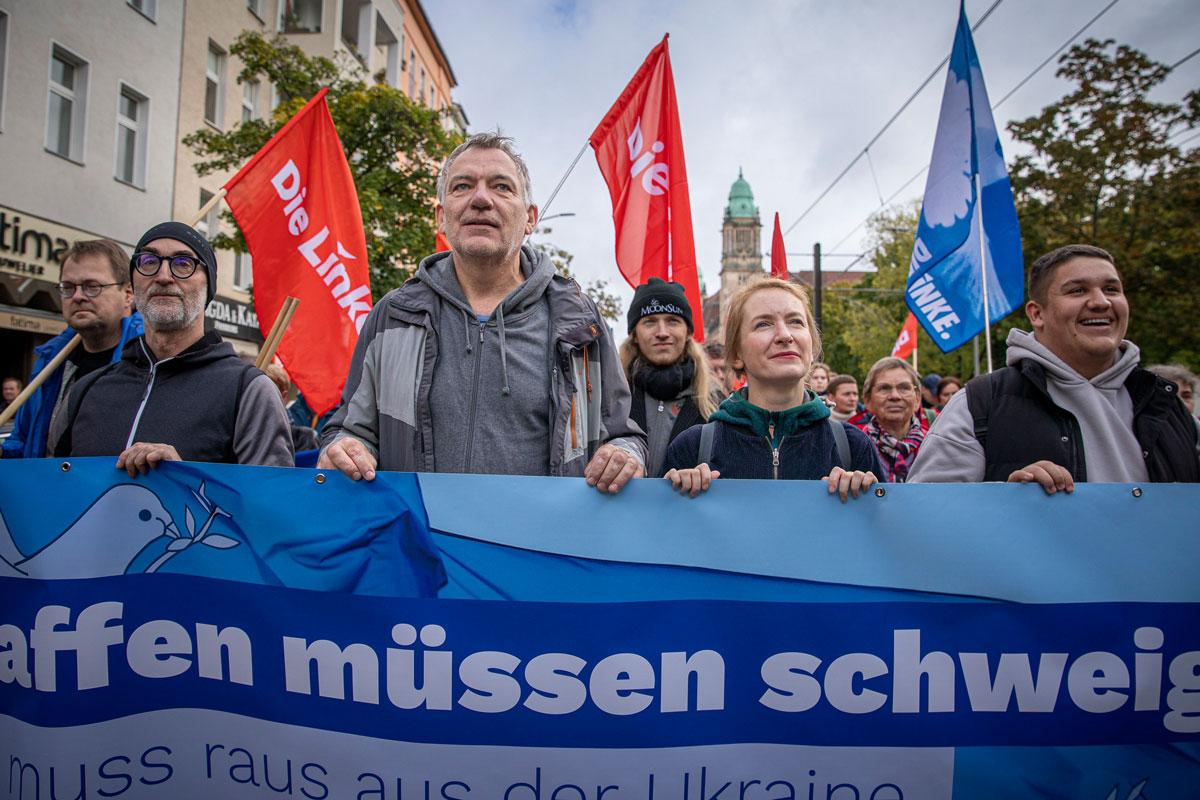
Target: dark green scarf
{"x": 737, "y": 410}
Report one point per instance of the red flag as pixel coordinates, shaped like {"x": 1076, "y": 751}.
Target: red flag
{"x": 440, "y": 243}
{"x": 297, "y": 207}
{"x": 906, "y": 342}
{"x": 639, "y": 148}
{"x": 778, "y": 254}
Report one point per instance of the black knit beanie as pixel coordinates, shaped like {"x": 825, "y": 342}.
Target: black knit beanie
{"x": 182, "y": 232}
{"x": 657, "y": 296}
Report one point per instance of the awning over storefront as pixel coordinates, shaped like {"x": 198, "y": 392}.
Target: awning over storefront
{"x": 29, "y": 320}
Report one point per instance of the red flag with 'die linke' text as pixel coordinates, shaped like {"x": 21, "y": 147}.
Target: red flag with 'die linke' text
{"x": 297, "y": 207}
{"x": 639, "y": 148}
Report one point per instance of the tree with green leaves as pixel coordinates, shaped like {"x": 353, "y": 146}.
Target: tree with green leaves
{"x": 393, "y": 145}
{"x": 861, "y": 322}
{"x": 608, "y": 302}
{"x": 1106, "y": 167}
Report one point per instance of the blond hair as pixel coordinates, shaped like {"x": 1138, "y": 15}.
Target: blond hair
{"x": 702, "y": 382}
{"x": 737, "y": 314}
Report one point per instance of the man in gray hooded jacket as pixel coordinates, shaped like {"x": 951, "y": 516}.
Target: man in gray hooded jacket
{"x": 1072, "y": 404}
{"x": 486, "y": 361}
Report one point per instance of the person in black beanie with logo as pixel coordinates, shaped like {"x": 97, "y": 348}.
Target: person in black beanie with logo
{"x": 673, "y": 388}
{"x": 177, "y": 393}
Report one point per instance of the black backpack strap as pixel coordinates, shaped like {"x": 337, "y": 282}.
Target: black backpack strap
{"x": 979, "y": 401}
{"x": 707, "y": 430}
{"x": 843, "y": 444}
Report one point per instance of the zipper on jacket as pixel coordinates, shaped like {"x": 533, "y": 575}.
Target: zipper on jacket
{"x": 146, "y": 395}
{"x": 474, "y": 402}
{"x": 774, "y": 451}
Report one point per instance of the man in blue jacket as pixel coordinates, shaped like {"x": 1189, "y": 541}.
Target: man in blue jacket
{"x": 97, "y": 303}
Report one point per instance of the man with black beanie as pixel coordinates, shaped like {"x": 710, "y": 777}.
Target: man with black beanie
{"x": 177, "y": 393}
{"x": 668, "y": 372}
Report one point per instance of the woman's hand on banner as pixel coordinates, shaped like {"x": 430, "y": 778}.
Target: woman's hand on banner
{"x": 849, "y": 484}
{"x": 692, "y": 481}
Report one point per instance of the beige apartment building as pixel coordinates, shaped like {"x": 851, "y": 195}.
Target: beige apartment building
{"x": 91, "y": 140}
{"x": 388, "y": 37}
{"x": 87, "y": 145}
{"x": 210, "y": 96}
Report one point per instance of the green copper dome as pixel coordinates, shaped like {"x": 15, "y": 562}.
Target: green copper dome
{"x": 741, "y": 200}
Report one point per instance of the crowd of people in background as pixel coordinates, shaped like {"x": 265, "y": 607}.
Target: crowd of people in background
{"x": 488, "y": 361}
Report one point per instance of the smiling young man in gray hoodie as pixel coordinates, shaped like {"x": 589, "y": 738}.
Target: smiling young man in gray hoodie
{"x": 1072, "y": 404}
{"x": 486, "y": 361}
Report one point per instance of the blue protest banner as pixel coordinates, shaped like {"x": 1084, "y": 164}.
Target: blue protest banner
{"x": 967, "y": 190}
{"x": 759, "y": 642}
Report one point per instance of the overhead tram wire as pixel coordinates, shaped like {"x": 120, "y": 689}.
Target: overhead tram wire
{"x": 1009, "y": 94}
{"x": 888, "y": 124}
{"x": 1191, "y": 138}
{"x": 1053, "y": 55}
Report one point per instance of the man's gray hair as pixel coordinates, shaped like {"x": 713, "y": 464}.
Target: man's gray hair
{"x": 487, "y": 141}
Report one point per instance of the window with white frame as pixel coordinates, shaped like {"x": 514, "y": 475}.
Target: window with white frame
{"x": 433, "y": 97}
{"x": 412, "y": 73}
{"x": 256, "y": 7}
{"x": 132, "y": 116}
{"x": 67, "y": 104}
{"x": 249, "y": 101}
{"x": 243, "y": 271}
{"x": 214, "y": 86}
{"x": 146, "y": 7}
{"x": 422, "y": 84}
{"x": 301, "y": 16}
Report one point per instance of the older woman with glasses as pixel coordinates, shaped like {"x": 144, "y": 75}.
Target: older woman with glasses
{"x": 892, "y": 396}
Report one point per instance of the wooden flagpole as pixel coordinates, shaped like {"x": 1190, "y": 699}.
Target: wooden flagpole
{"x": 10, "y": 412}
{"x": 275, "y": 336}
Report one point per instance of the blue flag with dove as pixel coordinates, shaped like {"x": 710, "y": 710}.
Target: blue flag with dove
{"x": 967, "y": 180}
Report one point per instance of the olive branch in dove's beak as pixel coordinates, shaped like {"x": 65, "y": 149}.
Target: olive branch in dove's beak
{"x": 179, "y": 543}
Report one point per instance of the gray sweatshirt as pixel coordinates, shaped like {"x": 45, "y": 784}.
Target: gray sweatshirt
{"x": 1101, "y": 406}
{"x": 491, "y": 390}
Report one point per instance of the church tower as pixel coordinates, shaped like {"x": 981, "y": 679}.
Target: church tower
{"x": 741, "y": 249}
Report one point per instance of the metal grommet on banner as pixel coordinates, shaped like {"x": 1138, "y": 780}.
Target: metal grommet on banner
{"x": 65, "y": 466}
{"x": 320, "y": 477}
{"x": 1137, "y": 491}
{"x": 880, "y": 491}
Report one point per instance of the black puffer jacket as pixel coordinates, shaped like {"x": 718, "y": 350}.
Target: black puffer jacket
{"x": 1018, "y": 423}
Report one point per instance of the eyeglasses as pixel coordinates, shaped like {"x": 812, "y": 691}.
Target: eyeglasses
{"x": 884, "y": 389}
{"x": 148, "y": 264}
{"x": 90, "y": 288}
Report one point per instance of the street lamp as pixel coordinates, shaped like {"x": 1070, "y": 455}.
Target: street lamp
{"x": 541, "y": 229}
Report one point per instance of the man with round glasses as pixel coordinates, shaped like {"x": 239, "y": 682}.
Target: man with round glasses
{"x": 97, "y": 303}
{"x": 177, "y": 393}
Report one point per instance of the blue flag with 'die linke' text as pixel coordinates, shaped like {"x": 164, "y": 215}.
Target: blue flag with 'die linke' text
{"x": 945, "y": 277}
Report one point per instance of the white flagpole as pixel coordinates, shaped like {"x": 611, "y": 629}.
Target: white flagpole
{"x": 545, "y": 206}
{"x": 987, "y": 322}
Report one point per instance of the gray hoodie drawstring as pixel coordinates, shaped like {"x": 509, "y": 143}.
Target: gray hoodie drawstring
{"x": 466, "y": 329}
{"x": 503, "y": 351}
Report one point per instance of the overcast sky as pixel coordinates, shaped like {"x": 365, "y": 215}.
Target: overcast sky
{"x": 788, "y": 91}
